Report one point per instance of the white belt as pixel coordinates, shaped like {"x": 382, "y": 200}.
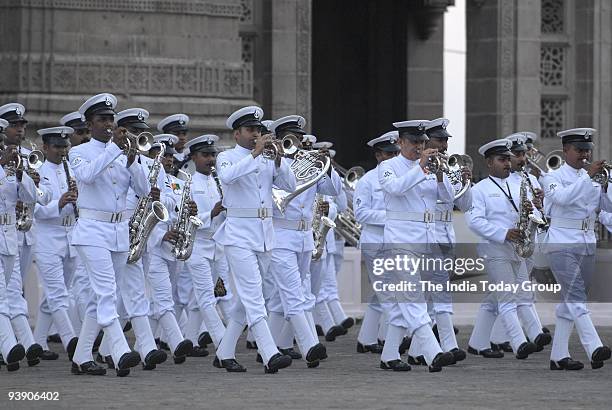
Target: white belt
{"x": 292, "y": 224}
{"x": 262, "y": 213}
{"x": 426, "y": 216}
{"x": 101, "y": 216}
{"x": 444, "y": 216}
{"x": 582, "y": 224}
{"x": 67, "y": 220}
{"x": 7, "y": 219}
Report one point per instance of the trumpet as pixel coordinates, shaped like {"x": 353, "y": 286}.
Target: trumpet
{"x": 603, "y": 176}
{"x": 286, "y": 147}
{"x": 350, "y": 176}
{"x": 135, "y": 143}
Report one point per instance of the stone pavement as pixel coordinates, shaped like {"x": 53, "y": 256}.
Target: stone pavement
{"x": 346, "y": 379}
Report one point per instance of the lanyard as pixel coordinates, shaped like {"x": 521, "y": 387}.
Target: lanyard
{"x": 507, "y": 195}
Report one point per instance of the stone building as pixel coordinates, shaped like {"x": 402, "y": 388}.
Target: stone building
{"x": 349, "y": 67}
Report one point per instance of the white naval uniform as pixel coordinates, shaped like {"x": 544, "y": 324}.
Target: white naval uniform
{"x": 369, "y": 209}
{"x": 491, "y": 216}
{"x": 248, "y": 239}
{"x": 200, "y": 265}
{"x": 100, "y": 238}
{"x": 410, "y": 198}
{"x": 54, "y": 256}
{"x": 525, "y": 307}
{"x": 570, "y": 244}
{"x": 10, "y": 192}
{"x": 290, "y": 266}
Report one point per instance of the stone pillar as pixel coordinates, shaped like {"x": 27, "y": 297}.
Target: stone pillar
{"x": 503, "y": 92}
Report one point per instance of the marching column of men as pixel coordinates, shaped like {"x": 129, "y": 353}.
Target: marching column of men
{"x": 236, "y": 246}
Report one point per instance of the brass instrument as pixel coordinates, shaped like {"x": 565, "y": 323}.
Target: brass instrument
{"x": 320, "y": 226}
{"x": 528, "y": 222}
{"x": 186, "y": 224}
{"x": 69, "y": 183}
{"x": 554, "y": 160}
{"x": 147, "y": 214}
{"x": 346, "y": 223}
{"x": 453, "y": 168}
{"x": 288, "y": 146}
{"x": 29, "y": 163}
{"x": 349, "y": 177}
{"x": 135, "y": 142}
{"x": 603, "y": 176}
{"x": 10, "y": 169}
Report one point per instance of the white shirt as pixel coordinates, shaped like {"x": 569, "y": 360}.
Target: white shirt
{"x": 171, "y": 194}
{"x": 205, "y": 194}
{"x": 52, "y": 237}
{"x": 407, "y": 188}
{"x": 247, "y": 183}
{"x": 10, "y": 192}
{"x": 571, "y": 194}
{"x": 103, "y": 180}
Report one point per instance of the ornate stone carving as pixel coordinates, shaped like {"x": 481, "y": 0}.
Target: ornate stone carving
{"x": 248, "y": 47}
{"x": 202, "y": 7}
{"x": 553, "y": 12}
{"x": 552, "y": 116}
{"x": 246, "y": 11}
{"x": 552, "y": 65}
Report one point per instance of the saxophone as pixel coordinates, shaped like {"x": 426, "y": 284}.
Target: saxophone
{"x": 147, "y": 214}
{"x": 186, "y": 224}
{"x": 320, "y": 226}
{"x": 528, "y": 222}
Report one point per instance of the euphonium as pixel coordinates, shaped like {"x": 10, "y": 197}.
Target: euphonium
{"x": 320, "y": 226}
{"x": 186, "y": 224}
{"x": 528, "y": 222}
{"x": 147, "y": 214}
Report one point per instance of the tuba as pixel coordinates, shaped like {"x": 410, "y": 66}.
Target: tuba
{"x": 147, "y": 214}
{"x": 528, "y": 222}
{"x": 28, "y": 163}
{"x": 307, "y": 166}
{"x": 320, "y": 226}
{"x": 186, "y": 224}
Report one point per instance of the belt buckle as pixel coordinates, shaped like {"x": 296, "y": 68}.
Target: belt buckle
{"x": 4, "y": 219}
{"x": 428, "y": 217}
{"x": 301, "y": 225}
{"x": 447, "y": 216}
{"x": 262, "y": 213}
{"x": 116, "y": 217}
{"x": 585, "y": 224}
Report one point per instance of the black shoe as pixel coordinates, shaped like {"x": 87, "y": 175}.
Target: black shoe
{"x": 488, "y": 353}
{"x": 33, "y": 353}
{"x": 198, "y": 351}
{"x": 183, "y": 348}
{"x": 319, "y": 330}
{"x": 541, "y": 340}
{"x": 251, "y": 345}
{"x": 49, "y": 355}
{"x": 164, "y": 345}
{"x": 179, "y": 359}
{"x": 405, "y": 345}
{"x": 259, "y": 359}
{"x": 525, "y": 349}
{"x": 231, "y": 365}
{"x": 54, "y": 338}
{"x": 97, "y": 342}
{"x": 395, "y": 365}
{"x": 566, "y": 364}
{"x": 599, "y": 355}
{"x": 16, "y": 354}
{"x": 204, "y": 339}
{"x": 100, "y": 358}
{"x": 277, "y": 362}
{"x": 348, "y": 323}
{"x": 291, "y": 353}
{"x": 315, "y": 353}
{"x": 312, "y": 365}
{"x": 89, "y": 368}
{"x": 334, "y": 332}
{"x": 110, "y": 363}
{"x": 128, "y": 360}
{"x": 417, "y": 361}
{"x": 373, "y": 348}
{"x": 155, "y": 357}
{"x": 459, "y": 354}
{"x": 502, "y": 347}
{"x": 12, "y": 367}
{"x": 127, "y": 327}
{"x": 441, "y": 360}
{"x": 122, "y": 372}
{"x": 71, "y": 348}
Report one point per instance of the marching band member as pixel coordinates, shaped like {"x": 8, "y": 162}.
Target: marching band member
{"x": 200, "y": 265}
{"x": 410, "y": 192}
{"x": 14, "y": 185}
{"x": 369, "y": 207}
{"x": 15, "y": 135}
{"x": 54, "y": 257}
{"x": 176, "y": 124}
{"x": 248, "y": 234}
{"x": 103, "y": 177}
{"x": 493, "y": 217}
{"x": 81, "y": 132}
{"x": 442, "y": 306}
{"x": 291, "y": 258}
{"x": 570, "y": 245}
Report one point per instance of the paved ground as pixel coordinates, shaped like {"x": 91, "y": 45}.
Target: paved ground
{"x": 346, "y": 379}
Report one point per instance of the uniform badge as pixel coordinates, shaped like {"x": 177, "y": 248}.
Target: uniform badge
{"x": 256, "y": 114}
{"x": 76, "y": 161}
{"x": 108, "y": 101}
{"x": 140, "y": 116}
{"x": 552, "y": 187}
{"x": 17, "y": 111}
{"x": 301, "y": 122}
{"x": 387, "y": 174}
{"x": 181, "y": 121}
{"x": 225, "y": 164}
{"x": 358, "y": 201}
